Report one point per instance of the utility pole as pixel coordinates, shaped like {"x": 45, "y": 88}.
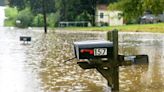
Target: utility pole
{"x": 44, "y": 16}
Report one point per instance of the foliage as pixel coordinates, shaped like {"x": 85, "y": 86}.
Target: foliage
{"x": 38, "y": 20}
{"x": 9, "y": 23}
{"x": 84, "y": 16}
{"x": 53, "y": 19}
{"x": 133, "y": 9}
{"x": 37, "y": 5}
{"x": 84, "y": 10}
{"x": 20, "y": 4}
{"x": 25, "y": 17}
{"x": 69, "y": 10}
{"x": 11, "y": 14}
{"x": 156, "y": 6}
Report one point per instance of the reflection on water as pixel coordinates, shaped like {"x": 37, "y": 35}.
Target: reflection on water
{"x": 142, "y": 78}
{"x": 15, "y": 74}
{"x": 40, "y": 66}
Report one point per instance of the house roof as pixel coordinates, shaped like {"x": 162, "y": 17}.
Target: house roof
{"x": 102, "y": 7}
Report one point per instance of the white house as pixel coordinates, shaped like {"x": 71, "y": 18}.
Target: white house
{"x": 106, "y": 17}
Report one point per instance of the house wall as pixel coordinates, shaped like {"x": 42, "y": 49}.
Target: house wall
{"x": 105, "y": 16}
{"x": 115, "y": 18}
{"x": 112, "y": 18}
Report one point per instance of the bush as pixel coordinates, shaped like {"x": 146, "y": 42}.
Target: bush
{"x": 102, "y": 24}
{"x": 132, "y": 21}
{"x": 38, "y": 21}
{"x": 11, "y": 14}
{"x": 83, "y": 17}
{"x": 25, "y": 17}
{"x": 53, "y": 19}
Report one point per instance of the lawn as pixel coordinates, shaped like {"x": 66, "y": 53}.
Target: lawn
{"x": 125, "y": 28}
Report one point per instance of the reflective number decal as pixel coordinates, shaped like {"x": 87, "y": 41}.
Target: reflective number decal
{"x": 100, "y": 51}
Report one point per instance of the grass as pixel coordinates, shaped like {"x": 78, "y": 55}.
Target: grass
{"x": 159, "y": 27}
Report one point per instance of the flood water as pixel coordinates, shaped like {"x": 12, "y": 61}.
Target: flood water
{"x": 39, "y": 66}
{"x": 2, "y": 16}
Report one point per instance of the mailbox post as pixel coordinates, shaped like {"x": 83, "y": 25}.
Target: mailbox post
{"x": 111, "y": 73}
{"x": 115, "y": 68}
{"x": 103, "y": 56}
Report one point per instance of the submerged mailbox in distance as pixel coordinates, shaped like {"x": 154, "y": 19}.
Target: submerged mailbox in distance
{"x": 93, "y": 49}
{"x": 25, "y": 38}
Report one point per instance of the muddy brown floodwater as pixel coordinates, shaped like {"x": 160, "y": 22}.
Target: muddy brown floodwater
{"x": 40, "y": 67}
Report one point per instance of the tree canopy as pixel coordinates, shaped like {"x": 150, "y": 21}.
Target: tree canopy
{"x": 133, "y": 9}
{"x": 69, "y": 10}
{"x": 84, "y": 10}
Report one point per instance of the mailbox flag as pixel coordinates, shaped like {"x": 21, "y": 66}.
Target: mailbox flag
{"x": 90, "y": 51}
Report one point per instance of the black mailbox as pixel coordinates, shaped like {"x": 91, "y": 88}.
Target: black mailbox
{"x": 93, "y": 49}
{"x": 25, "y": 38}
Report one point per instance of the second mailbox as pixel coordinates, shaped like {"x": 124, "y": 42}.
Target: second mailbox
{"x": 93, "y": 49}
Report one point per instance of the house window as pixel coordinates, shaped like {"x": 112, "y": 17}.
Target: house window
{"x": 101, "y": 15}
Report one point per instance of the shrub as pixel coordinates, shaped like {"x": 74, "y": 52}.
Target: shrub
{"x": 83, "y": 17}
{"x": 38, "y": 20}
{"x": 53, "y": 19}
{"x": 102, "y": 23}
{"x": 11, "y": 14}
{"x": 25, "y": 17}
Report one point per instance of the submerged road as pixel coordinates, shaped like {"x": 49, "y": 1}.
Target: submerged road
{"x": 40, "y": 67}
{"x": 15, "y": 74}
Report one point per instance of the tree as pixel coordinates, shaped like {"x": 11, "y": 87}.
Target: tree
{"x": 133, "y": 9}
{"x": 84, "y": 10}
{"x": 25, "y": 17}
{"x": 155, "y": 6}
{"x": 36, "y": 6}
{"x": 20, "y": 4}
{"x": 69, "y": 10}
